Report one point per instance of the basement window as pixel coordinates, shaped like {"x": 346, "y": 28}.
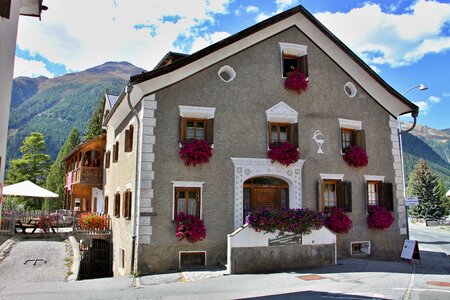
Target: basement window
{"x": 360, "y": 248}
{"x": 192, "y": 259}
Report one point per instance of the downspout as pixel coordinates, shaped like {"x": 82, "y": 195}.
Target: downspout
{"x": 128, "y": 90}
{"x": 414, "y": 114}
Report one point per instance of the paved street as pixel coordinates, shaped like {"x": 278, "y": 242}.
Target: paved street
{"x": 350, "y": 279}
{"x": 431, "y": 238}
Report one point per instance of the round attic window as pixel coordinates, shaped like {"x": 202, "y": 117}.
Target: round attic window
{"x": 226, "y": 73}
{"x": 350, "y": 89}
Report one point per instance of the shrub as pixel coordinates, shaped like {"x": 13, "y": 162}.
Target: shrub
{"x": 285, "y": 153}
{"x": 379, "y": 217}
{"x": 337, "y": 221}
{"x": 299, "y": 221}
{"x": 296, "y": 81}
{"x": 45, "y": 222}
{"x": 189, "y": 227}
{"x": 194, "y": 152}
{"x": 356, "y": 157}
{"x": 92, "y": 221}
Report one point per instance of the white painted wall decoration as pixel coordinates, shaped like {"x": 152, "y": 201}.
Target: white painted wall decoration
{"x": 246, "y": 168}
{"x": 320, "y": 139}
{"x": 226, "y": 73}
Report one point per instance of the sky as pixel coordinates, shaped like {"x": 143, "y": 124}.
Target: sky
{"x": 406, "y": 42}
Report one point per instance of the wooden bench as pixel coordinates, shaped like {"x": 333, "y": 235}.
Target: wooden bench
{"x": 23, "y": 227}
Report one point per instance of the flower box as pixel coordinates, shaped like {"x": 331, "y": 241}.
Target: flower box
{"x": 356, "y": 157}
{"x": 285, "y": 153}
{"x": 337, "y": 221}
{"x": 194, "y": 152}
{"x": 379, "y": 218}
{"x": 296, "y": 81}
{"x": 189, "y": 227}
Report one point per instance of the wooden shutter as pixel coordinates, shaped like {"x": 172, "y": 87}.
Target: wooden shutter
{"x": 366, "y": 186}
{"x": 293, "y": 134}
{"x": 210, "y": 131}
{"x": 197, "y": 195}
{"x": 360, "y": 139}
{"x": 182, "y": 129}
{"x": 388, "y": 195}
{"x": 127, "y": 140}
{"x": 345, "y": 195}
{"x": 320, "y": 195}
{"x": 5, "y": 8}
{"x": 303, "y": 64}
{"x": 107, "y": 159}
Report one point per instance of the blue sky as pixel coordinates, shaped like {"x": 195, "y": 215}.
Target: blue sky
{"x": 406, "y": 42}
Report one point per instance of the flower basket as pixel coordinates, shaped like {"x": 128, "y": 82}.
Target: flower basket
{"x": 337, "y": 221}
{"x": 194, "y": 152}
{"x": 189, "y": 227}
{"x": 285, "y": 153}
{"x": 356, "y": 157}
{"x": 45, "y": 222}
{"x": 379, "y": 218}
{"x": 296, "y": 81}
{"x": 299, "y": 221}
{"x": 92, "y": 221}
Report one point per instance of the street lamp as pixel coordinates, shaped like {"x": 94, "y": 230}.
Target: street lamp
{"x": 421, "y": 87}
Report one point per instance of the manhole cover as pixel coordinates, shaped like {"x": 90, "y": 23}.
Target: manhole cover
{"x": 439, "y": 283}
{"x": 310, "y": 277}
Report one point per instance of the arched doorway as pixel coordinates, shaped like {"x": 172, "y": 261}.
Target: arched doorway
{"x": 265, "y": 191}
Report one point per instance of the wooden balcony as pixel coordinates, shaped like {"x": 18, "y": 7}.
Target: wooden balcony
{"x": 92, "y": 176}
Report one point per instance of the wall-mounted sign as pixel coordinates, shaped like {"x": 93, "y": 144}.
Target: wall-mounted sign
{"x": 286, "y": 239}
{"x": 320, "y": 139}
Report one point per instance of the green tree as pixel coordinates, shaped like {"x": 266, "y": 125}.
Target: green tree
{"x": 445, "y": 202}
{"x": 32, "y": 166}
{"x": 95, "y": 123}
{"x": 55, "y": 178}
{"x": 423, "y": 183}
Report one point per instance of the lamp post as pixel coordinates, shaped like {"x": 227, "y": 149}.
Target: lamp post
{"x": 421, "y": 87}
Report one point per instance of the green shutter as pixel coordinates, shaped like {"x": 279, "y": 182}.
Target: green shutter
{"x": 210, "y": 131}
{"x": 388, "y": 195}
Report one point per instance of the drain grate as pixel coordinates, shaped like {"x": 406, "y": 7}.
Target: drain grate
{"x": 310, "y": 277}
{"x": 35, "y": 261}
{"x": 439, "y": 283}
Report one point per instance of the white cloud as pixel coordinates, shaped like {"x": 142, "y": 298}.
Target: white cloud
{"x": 84, "y": 33}
{"x": 285, "y": 4}
{"x": 375, "y": 68}
{"x": 251, "y": 9}
{"x": 434, "y": 99}
{"x": 424, "y": 108}
{"x": 208, "y": 39}
{"x": 262, "y": 16}
{"x": 386, "y": 38}
{"x": 30, "y": 68}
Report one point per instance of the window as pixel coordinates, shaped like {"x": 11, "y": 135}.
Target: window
{"x": 5, "y": 8}
{"x": 187, "y": 201}
{"x": 117, "y": 205}
{"x": 278, "y": 132}
{"x": 189, "y": 259}
{"x": 107, "y": 159}
{"x": 116, "y": 152}
{"x": 282, "y": 124}
{"x": 351, "y": 134}
{"x": 129, "y": 139}
{"x": 106, "y": 205}
{"x": 197, "y": 123}
{"x": 379, "y": 193}
{"x": 333, "y": 192}
{"x": 127, "y": 204}
{"x": 294, "y": 57}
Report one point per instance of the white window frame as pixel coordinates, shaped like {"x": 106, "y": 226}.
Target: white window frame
{"x": 292, "y": 49}
{"x": 197, "y": 112}
{"x": 372, "y": 178}
{"x": 187, "y": 184}
{"x": 349, "y": 124}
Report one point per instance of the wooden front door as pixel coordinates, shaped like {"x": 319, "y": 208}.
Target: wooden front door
{"x": 265, "y": 197}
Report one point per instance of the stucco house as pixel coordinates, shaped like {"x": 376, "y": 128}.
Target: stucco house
{"x": 232, "y": 95}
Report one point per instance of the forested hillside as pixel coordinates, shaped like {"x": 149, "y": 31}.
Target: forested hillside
{"x": 54, "y": 106}
{"x": 433, "y": 146}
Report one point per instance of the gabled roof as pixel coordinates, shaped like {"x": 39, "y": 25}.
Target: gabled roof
{"x": 152, "y": 81}
{"x": 83, "y": 145}
{"x": 169, "y": 58}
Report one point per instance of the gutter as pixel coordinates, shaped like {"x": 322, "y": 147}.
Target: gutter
{"x": 128, "y": 90}
{"x": 414, "y": 114}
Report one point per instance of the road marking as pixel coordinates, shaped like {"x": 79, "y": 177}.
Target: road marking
{"x": 411, "y": 283}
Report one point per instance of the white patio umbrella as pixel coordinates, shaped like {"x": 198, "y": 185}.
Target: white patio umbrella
{"x": 27, "y": 189}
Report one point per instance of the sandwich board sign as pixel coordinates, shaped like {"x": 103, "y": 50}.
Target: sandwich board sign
{"x": 410, "y": 250}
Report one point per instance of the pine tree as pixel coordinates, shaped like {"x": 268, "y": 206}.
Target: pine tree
{"x": 55, "y": 178}
{"x": 95, "y": 123}
{"x": 32, "y": 166}
{"x": 423, "y": 183}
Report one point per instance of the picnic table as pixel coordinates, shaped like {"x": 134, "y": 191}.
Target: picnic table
{"x": 32, "y": 223}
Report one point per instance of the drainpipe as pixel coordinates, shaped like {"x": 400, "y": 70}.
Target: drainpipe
{"x": 128, "y": 90}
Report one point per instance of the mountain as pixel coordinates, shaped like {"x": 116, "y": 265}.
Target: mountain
{"x": 53, "y": 106}
{"x": 430, "y": 144}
